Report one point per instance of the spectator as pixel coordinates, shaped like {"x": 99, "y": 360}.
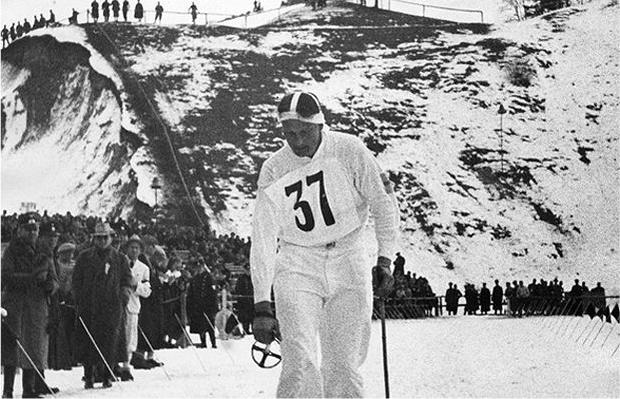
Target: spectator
{"x": 485, "y": 299}
{"x": 399, "y": 265}
{"x": 35, "y": 24}
{"x": 62, "y": 340}
{"x": 52, "y": 19}
{"x": 18, "y": 31}
{"x": 125, "y": 9}
{"x": 105, "y": 6}
{"x": 245, "y": 301}
{"x": 27, "y": 26}
{"x": 202, "y": 304}
{"x": 140, "y": 288}
{"x": 5, "y": 37}
{"x": 94, "y": 10}
{"x": 28, "y": 279}
{"x": 471, "y": 299}
{"x": 73, "y": 19}
{"x": 509, "y": 293}
{"x": 42, "y": 21}
{"x": 452, "y": 299}
{"x": 102, "y": 284}
{"x": 523, "y": 294}
{"x": 138, "y": 12}
{"x": 159, "y": 11}
{"x": 151, "y": 318}
{"x": 194, "y": 11}
{"x": 497, "y": 297}
{"x": 115, "y": 9}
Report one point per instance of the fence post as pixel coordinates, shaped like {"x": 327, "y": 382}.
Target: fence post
{"x": 423, "y": 10}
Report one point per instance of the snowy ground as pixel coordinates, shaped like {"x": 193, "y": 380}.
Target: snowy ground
{"x": 474, "y": 356}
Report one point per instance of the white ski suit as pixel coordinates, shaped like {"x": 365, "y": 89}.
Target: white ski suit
{"x": 306, "y": 241}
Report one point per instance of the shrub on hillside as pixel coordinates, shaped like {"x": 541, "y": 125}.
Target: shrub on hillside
{"x": 520, "y": 73}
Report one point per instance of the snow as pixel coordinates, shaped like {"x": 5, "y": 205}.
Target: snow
{"x": 462, "y": 356}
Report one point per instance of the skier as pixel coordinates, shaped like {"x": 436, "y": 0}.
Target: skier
{"x": 313, "y": 201}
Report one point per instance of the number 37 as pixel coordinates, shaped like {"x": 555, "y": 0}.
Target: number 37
{"x": 308, "y": 218}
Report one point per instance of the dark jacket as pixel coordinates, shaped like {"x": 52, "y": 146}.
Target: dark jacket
{"x": 485, "y": 299}
{"x": 138, "y": 12}
{"x": 245, "y": 302}
{"x": 101, "y": 283}
{"x": 25, "y": 298}
{"x": 201, "y": 301}
{"x": 498, "y": 294}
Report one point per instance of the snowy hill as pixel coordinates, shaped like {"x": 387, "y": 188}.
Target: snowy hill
{"x": 423, "y": 95}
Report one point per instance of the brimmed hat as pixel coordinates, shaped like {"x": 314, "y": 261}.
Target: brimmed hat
{"x": 135, "y": 238}
{"x": 28, "y": 220}
{"x": 48, "y": 229}
{"x": 67, "y": 246}
{"x": 301, "y": 106}
{"x": 103, "y": 229}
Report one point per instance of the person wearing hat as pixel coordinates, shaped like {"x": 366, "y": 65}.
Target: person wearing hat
{"x": 140, "y": 288}
{"x": 62, "y": 339}
{"x": 102, "y": 285}
{"x": 27, "y": 281}
{"x": 313, "y": 202}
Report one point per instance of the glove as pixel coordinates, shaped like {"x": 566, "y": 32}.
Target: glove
{"x": 265, "y": 326}
{"x": 382, "y": 279}
{"x": 144, "y": 289}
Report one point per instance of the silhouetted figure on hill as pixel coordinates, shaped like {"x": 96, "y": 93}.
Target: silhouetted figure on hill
{"x": 19, "y": 30}
{"x": 125, "y": 9}
{"x": 105, "y": 6}
{"x": 116, "y": 7}
{"x": 138, "y": 12}
{"x": 94, "y": 10}
{"x": 27, "y": 26}
{"x": 5, "y": 36}
{"x": 194, "y": 11}
{"x": 399, "y": 265}
{"x": 52, "y": 19}
{"x": 159, "y": 12}
{"x": 35, "y": 24}
{"x": 73, "y": 19}
{"x": 42, "y": 21}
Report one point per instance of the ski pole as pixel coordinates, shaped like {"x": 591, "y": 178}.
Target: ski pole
{"x": 98, "y": 350}
{"x": 597, "y": 334}
{"x": 190, "y": 342}
{"x": 19, "y": 345}
{"x": 386, "y": 377}
{"x": 213, "y": 329}
{"x": 151, "y": 348}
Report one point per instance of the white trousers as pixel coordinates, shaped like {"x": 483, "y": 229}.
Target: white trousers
{"x": 324, "y": 306}
{"x": 131, "y": 331}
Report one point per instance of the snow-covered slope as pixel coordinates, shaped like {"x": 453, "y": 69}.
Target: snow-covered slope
{"x": 539, "y": 200}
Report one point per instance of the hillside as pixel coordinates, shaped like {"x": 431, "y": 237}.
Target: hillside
{"x": 423, "y": 95}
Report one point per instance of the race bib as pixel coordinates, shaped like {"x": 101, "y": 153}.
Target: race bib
{"x": 316, "y": 203}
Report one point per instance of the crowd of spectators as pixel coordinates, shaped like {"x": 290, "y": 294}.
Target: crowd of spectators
{"x": 190, "y": 284}
{"x": 518, "y": 300}
{"x": 16, "y": 31}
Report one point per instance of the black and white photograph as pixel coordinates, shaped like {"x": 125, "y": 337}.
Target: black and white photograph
{"x": 310, "y": 198}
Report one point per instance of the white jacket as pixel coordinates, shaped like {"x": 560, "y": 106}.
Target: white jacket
{"x": 315, "y": 201}
{"x": 141, "y": 285}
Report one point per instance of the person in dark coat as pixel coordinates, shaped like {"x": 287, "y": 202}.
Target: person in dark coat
{"x": 28, "y": 279}
{"x": 245, "y": 302}
{"x": 399, "y": 265}
{"x": 101, "y": 283}
{"x": 497, "y": 297}
{"x": 105, "y": 6}
{"x": 62, "y": 339}
{"x": 138, "y": 12}
{"x": 116, "y": 7}
{"x": 202, "y": 303}
{"x": 125, "y": 10}
{"x": 485, "y": 299}
{"x": 452, "y": 299}
{"x": 5, "y": 36}
{"x": 159, "y": 11}
{"x": 94, "y": 10}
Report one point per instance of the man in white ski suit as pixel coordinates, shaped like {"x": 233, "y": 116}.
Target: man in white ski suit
{"x": 312, "y": 205}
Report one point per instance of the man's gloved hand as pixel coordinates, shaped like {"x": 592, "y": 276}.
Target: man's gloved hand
{"x": 265, "y": 325}
{"x": 382, "y": 279}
